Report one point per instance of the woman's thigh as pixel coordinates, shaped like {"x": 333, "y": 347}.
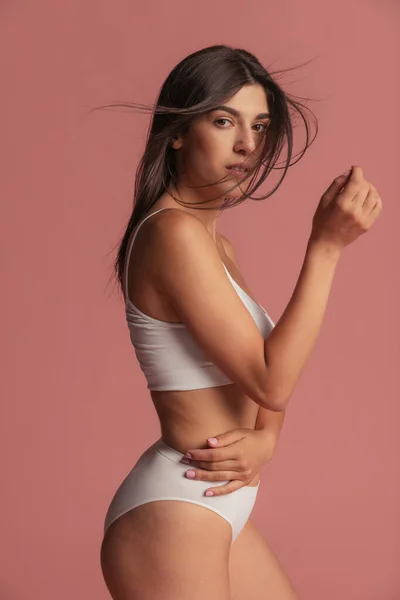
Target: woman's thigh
{"x": 167, "y": 550}
{"x": 254, "y": 570}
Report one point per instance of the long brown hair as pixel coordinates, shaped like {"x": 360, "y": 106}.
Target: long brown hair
{"x": 196, "y": 85}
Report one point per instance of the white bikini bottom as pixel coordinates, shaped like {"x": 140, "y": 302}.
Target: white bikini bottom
{"x": 159, "y": 475}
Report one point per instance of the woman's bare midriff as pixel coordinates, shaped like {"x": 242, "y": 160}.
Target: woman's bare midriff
{"x": 188, "y": 418}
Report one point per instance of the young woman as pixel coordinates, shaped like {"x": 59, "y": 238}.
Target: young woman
{"x": 215, "y": 364}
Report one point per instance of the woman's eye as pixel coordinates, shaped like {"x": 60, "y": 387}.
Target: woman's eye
{"x": 263, "y": 125}
{"x": 222, "y": 119}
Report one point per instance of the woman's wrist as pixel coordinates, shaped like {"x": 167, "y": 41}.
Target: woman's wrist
{"x": 323, "y": 247}
{"x": 268, "y": 439}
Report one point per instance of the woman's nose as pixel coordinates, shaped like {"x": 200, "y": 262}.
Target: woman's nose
{"x": 245, "y": 143}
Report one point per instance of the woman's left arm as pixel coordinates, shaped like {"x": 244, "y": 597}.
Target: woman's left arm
{"x": 270, "y": 423}
{"x": 237, "y": 455}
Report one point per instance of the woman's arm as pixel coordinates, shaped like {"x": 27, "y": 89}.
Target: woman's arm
{"x": 268, "y": 421}
{"x": 290, "y": 343}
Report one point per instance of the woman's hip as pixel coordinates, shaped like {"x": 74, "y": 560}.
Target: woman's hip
{"x": 159, "y": 475}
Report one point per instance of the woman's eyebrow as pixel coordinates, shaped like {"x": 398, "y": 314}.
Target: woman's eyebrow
{"x": 236, "y": 113}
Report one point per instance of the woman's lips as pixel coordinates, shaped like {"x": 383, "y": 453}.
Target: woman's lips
{"x": 237, "y": 172}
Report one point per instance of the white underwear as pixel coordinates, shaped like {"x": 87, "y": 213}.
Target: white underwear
{"x": 159, "y": 475}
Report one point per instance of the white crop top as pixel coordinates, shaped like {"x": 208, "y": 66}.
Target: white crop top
{"x": 168, "y": 355}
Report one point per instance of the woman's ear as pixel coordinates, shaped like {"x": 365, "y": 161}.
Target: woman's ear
{"x": 176, "y": 142}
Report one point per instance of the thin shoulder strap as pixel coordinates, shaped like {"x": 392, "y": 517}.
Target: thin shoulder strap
{"x": 129, "y": 248}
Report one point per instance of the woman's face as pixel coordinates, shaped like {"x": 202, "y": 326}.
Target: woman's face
{"x": 232, "y": 134}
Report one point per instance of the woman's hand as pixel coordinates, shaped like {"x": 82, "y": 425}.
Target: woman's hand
{"x": 238, "y": 455}
{"x": 347, "y": 209}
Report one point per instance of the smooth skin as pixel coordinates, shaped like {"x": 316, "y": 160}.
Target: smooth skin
{"x": 168, "y": 549}
{"x": 171, "y": 549}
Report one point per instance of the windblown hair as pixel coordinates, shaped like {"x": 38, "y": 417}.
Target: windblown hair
{"x": 200, "y": 82}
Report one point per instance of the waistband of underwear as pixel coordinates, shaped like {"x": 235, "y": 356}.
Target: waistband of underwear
{"x": 167, "y": 451}
{"x": 176, "y": 456}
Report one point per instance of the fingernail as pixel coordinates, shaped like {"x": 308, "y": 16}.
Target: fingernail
{"x": 186, "y": 461}
{"x": 212, "y": 440}
{"x": 209, "y": 493}
{"x": 187, "y": 455}
{"x": 347, "y": 173}
{"x": 190, "y": 474}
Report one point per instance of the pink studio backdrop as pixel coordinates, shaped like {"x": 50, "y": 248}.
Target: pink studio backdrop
{"x": 76, "y": 413}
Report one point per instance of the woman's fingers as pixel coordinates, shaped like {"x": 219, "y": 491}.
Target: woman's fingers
{"x": 222, "y": 465}
{"x": 201, "y": 475}
{"x": 228, "y": 488}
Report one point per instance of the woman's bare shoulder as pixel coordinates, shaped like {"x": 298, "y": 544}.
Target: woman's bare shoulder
{"x": 167, "y": 233}
{"x": 167, "y": 217}
{"x": 163, "y": 223}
